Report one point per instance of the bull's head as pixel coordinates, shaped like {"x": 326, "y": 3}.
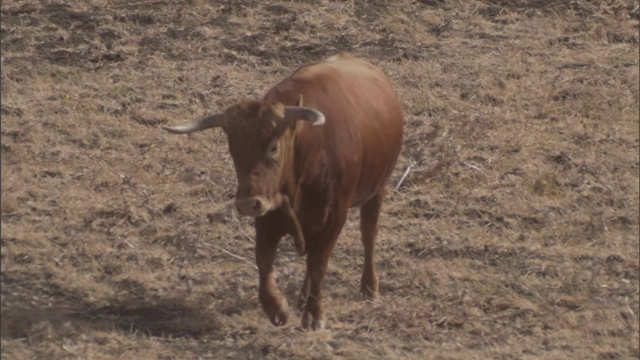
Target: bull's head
{"x": 255, "y": 133}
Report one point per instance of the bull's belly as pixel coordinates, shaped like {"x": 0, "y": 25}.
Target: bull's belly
{"x": 369, "y": 186}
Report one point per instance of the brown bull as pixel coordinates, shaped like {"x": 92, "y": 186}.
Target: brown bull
{"x": 300, "y": 168}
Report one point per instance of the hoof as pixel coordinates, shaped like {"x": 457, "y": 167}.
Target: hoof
{"x": 277, "y": 311}
{"x": 369, "y": 287}
{"x": 279, "y": 319}
{"x": 314, "y": 324}
{"x": 368, "y": 294}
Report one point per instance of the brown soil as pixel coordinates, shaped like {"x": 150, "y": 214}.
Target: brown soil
{"x": 514, "y": 235}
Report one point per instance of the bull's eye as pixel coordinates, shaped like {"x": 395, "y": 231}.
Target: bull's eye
{"x": 273, "y": 148}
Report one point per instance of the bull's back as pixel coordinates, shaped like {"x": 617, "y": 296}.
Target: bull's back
{"x": 376, "y": 119}
{"x": 363, "y": 131}
{"x": 381, "y": 140}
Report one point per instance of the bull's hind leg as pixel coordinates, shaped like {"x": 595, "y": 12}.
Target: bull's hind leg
{"x": 369, "y": 213}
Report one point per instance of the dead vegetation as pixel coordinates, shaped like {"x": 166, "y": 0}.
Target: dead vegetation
{"x": 514, "y": 234}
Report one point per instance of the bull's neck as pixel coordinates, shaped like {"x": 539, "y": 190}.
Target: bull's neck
{"x": 288, "y": 183}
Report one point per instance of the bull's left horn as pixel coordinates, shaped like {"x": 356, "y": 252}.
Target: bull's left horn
{"x": 208, "y": 122}
{"x": 292, "y": 113}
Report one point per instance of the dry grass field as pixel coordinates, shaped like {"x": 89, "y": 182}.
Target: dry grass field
{"x": 513, "y": 236}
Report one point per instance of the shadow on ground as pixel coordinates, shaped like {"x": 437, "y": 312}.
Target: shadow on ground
{"x": 29, "y": 314}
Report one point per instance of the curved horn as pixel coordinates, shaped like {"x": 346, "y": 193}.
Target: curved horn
{"x": 211, "y": 121}
{"x": 292, "y": 113}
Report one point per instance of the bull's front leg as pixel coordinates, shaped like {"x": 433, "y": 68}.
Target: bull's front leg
{"x": 312, "y": 313}
{"x": 294, "y": 225}
{"x": 273, "y": 303}
{"x": 317, "y": 261}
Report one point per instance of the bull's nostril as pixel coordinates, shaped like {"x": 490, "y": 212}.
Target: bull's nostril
{"x": 254, "y": 206}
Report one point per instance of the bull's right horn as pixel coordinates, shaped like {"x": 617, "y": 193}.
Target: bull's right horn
{"x": 292, "y": 113}
{"x": 212, "y": 121}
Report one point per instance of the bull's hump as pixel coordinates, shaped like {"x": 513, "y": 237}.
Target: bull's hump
{"x": 339, "y": 56}
{"x": 336, "y": 68}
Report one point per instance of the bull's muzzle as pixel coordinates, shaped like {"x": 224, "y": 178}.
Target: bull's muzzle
{"x": 254, "y": 206}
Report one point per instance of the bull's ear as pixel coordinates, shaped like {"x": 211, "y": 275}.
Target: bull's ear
{"x": 293, "y": 113}
{"x": 212, "y": 121}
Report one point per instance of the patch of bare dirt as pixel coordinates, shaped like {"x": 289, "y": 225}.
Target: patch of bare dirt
{"x": 514, "y": 233}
